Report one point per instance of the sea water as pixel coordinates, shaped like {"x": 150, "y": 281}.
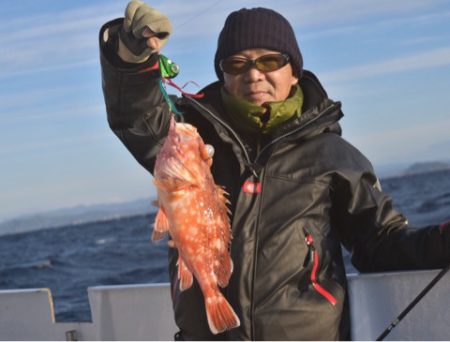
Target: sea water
{"x": 69, "y": 259}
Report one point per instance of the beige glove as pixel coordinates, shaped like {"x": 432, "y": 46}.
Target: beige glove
{"x": 145, "y": 30}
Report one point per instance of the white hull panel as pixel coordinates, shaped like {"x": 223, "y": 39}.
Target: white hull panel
{"x": 144, "y": 312}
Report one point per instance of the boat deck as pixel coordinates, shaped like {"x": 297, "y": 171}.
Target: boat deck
{"x": 144, "y": 312}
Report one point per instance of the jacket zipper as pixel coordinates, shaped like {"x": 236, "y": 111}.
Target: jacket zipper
{"x": 314, "y": 255}
{"x": 306, "y": 124}
{"x": 257, "y": 177}
{"x": 235, "y": 135}
{"x": 255, "y": 262}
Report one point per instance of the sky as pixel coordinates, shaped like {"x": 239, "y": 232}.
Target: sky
{"x": 387, "y": 61}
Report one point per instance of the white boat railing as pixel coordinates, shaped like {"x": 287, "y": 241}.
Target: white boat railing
{"x": 377, "y": 299}
{"x": 144, "y": 312}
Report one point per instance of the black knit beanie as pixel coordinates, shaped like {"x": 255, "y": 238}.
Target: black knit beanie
{"x": 257, "y": 28}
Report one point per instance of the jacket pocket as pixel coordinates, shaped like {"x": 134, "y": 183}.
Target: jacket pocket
{"x": 314, "y": 260}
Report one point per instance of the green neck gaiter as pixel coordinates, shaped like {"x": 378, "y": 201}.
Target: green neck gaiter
{"x": 250, "y": 117}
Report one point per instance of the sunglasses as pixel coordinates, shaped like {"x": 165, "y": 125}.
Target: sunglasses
{"x": 266, "y": 63}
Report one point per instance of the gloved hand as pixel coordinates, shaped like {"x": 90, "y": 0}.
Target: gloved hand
{"x": 145, "y": 30}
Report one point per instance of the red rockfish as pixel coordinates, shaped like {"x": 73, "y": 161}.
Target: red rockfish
{"x": 193, "y": 210}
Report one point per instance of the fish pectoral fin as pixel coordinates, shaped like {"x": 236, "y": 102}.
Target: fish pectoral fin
{"x": 176, "y": 170}
{"x": 161, "y": 226}
{"x": 185, "y": 276}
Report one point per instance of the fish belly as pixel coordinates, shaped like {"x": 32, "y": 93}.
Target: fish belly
{"x": 203, "y": 254}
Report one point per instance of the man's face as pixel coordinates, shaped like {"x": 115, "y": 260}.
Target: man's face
{"x": 257, "y": 86}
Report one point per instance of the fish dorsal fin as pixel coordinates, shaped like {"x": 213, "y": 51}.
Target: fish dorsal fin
{"x": 224, "y": 267}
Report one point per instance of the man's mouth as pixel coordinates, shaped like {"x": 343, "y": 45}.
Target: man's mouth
{"x": 256, "y": 94}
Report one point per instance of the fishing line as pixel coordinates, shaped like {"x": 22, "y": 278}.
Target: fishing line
{"x": 198, "y": 15}
{"x": 413, "y": 303}
{"x": 168, "y": 72}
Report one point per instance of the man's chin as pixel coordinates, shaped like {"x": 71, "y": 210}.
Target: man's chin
{"x": 258, "y": 99}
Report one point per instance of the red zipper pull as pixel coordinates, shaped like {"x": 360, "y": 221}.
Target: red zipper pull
{"x": 315, "y": 259}
{"x": 251, "y": 187}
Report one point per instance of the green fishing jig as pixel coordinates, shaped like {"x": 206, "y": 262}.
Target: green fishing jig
{"x": 168, "y": 68}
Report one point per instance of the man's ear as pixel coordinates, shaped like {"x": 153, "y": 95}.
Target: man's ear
{"x": 294, "y": 80}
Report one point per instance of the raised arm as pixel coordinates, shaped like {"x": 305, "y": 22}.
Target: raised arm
{"x": 137, "y": 112}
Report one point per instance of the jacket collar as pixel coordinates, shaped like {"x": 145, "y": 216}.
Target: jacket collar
{"x": 316, "y": 104}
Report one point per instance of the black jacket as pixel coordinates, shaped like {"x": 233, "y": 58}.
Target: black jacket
{"x": 317, "y": 192}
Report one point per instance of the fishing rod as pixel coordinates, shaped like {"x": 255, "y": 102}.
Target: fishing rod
{"x": 394, "y": 323}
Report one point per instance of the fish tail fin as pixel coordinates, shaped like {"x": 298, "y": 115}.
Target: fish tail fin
{"x": 161, "y": 226}
{"x": 185, "y": 276}
{"x": 220, "y": 314}
{"x": 223, "y": 272}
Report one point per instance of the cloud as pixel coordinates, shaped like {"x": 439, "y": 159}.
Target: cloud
{"x": 40, "y": 113}
{"x": 380, "y": 25}
{"x": 421, "y": 60}
{"x": 206, "y": 19}
{"x": 48, "y": 67}
{"x": 14, "y": 100}
{"x": 423, "y": 40}
{"x": 68, "y": 141}
{"x": 332, "y": 12}
{"x": 69, "y": 37}
{"x": 51, "y": 41}
{"x": 406, "y": 143}
{"x": 35, "y": 28}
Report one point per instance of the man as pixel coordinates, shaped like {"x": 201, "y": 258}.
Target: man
{"x": 297, "y": 189}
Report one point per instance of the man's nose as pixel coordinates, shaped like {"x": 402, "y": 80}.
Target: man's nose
{"x": 254, "y": 74}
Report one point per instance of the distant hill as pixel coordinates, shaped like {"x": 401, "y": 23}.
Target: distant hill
{"x": 425, "y": 167}
{"x": 76, "y": 215}
{"x": 405, "y": 169}
{"x": 101, "y": 212}
{"x": 391, "y": 170}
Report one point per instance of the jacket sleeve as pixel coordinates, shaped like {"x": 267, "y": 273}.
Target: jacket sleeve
{"x": 378, "y": 236}
{"x": 137, "y": 112}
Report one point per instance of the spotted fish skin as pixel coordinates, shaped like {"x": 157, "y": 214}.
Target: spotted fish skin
{"x": 193, "y": 209}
